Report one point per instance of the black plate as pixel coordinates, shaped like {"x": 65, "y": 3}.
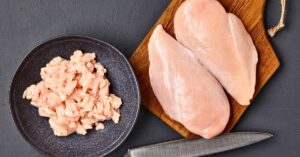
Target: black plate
{"x": 36, "y": 129}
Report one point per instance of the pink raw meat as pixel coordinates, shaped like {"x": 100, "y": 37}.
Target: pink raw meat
{"x": 187, "y": 92}
{"x": 220, "y": 42}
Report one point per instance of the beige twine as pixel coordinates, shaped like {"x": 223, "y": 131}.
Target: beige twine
{"x": 280, "y": 25}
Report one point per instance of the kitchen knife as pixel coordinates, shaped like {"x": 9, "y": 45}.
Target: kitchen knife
{"x": 199, "y": 147}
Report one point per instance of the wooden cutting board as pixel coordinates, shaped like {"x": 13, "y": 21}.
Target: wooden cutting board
{"x": 251, "y": 13}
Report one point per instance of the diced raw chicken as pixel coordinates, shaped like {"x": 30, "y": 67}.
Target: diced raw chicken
{"x": 80, "y": 129}
{"x": 74, "y": 94}
{"x": 115, "y": 101}
{"x": 99, "y": 126}
{"x": 115, "y": 116}
{"x": 46, "y": 112}
{"x": 221, "y": 43}
{"x": 187, "y": 92}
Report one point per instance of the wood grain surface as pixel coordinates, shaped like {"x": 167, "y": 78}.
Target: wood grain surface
{"x": 251, "y": 13}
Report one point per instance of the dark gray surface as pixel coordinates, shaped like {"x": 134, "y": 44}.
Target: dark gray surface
{"x": 124, "y": 23}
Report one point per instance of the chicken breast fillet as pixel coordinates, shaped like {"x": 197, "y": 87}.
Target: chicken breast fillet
{"x": 221, "y": 43}
{"x": 187, "y": 92}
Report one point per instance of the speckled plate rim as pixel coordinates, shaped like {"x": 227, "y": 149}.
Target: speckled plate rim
{"x": 118, "y": 141}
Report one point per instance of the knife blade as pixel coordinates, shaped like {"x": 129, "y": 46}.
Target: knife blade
{"x": 199, "y": 147}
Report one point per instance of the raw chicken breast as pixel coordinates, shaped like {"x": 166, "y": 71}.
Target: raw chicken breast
{"x": 187, "y": 92}
{"x": 221, "y": 43}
